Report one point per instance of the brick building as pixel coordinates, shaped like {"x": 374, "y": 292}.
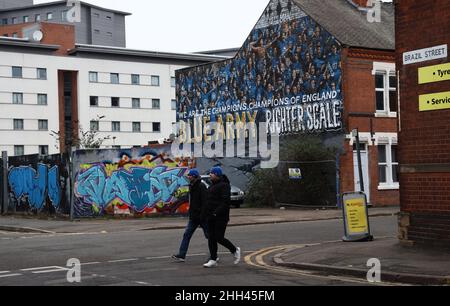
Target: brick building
{"x": 424, "y": 125}
{"x": 364, "y": 75}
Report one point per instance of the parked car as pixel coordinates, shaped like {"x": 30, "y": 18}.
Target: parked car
{"x": 237, "y": 195}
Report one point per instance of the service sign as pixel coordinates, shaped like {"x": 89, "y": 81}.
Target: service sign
{"x": 424, "y": 55}
{"x": 356, "y": 217}
{"x": 434, "y": 101}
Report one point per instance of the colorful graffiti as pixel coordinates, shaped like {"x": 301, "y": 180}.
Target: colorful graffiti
{"x": 26, "y": 182}
{"x": 153, "y": 183}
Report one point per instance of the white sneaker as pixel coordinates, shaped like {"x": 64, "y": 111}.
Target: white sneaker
{"x": 237, "y": 255}
{"x": 210, "y": 264}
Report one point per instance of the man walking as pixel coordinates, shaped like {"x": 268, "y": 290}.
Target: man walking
{"x": 197, "y": 213}
{"x": 218, "y": 215}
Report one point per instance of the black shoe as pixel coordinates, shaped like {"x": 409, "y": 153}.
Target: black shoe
{"x": 178, "y": 258}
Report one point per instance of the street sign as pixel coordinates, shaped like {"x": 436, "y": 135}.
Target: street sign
{"x": 434, "y": 101}
{"x": 435, "y": 73}
{"x": 423, "y": 55}
{"x": 356, "y": 217}
{"x": 295, "y": 174}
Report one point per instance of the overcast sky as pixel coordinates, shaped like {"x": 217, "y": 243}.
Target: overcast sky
{"x": 186, "y": 25}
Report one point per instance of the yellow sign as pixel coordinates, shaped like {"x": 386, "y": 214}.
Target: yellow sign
{"x": 356, "y": 216}
{"x": 435, "y": 73}
{"x": 436, "y": 101}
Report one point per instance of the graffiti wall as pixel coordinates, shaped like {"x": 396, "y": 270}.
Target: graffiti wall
{"x": 287, "y": 74}
{"x": 39, "y": 184}
{"x": 138, "y": 182}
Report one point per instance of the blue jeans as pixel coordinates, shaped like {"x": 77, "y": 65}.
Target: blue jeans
{"x": 189, "y": 232}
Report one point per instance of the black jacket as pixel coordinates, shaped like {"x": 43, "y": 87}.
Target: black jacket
{"x": 219, "y": 197}
{"x": 197, "y": 201}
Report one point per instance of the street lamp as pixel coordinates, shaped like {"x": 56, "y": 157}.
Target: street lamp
{"x": 355, "y": 134}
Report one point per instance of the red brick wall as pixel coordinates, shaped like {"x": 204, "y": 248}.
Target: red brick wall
{"x": 54, "y": 34}
{"x": 360, "y": 107}
{"x": 425, "y": 136}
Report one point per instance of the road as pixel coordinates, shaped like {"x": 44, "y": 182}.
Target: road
{"x": 143, "y": 258}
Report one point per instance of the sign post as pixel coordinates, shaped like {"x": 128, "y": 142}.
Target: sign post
{"x": 295, "y": 174}
{"x": 356, "y": 217}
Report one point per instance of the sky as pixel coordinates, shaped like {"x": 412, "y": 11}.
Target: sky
{"x": 186, "y": 25}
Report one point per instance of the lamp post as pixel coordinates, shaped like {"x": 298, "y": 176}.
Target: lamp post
{"x": 355, "y": 133}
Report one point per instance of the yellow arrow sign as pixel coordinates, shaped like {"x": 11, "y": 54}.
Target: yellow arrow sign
{"x": 436, "y": 101}
{"x": 435, "y": 73}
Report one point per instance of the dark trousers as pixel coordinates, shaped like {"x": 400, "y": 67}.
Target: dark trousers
{"x": 189, "y": 232}
{"x": 216, "y": 233}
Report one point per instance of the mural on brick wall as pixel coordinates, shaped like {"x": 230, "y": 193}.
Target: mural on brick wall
{"x": 139, "y": 182}
{"x": 37, "y": 184}
{"x": 287, "y": 74}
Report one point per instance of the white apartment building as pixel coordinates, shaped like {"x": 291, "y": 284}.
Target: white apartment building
{"x": 131, "y": 91}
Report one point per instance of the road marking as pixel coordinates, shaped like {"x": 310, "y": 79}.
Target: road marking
{"x": 10, "y": 275}
{"x": 90, "y": 263}
{"x": 123, "y": 260}
{"x": 264, "y": 252}
{"x": 4, "y": 272}
{"x": 51, "y": 271}
{"x": 41, "y": 268}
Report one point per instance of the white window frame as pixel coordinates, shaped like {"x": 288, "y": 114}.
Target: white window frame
{"x": 388, "y": 141}
{"x": 93, "y": 77}
{"x": 42, "y": 98}
{"x": 387, "y": 70}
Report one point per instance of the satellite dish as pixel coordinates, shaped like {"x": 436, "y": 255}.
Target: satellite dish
{"x": 38, "y": 35}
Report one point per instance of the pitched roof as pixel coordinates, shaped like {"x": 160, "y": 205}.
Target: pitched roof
{"x": 349, "y": 24}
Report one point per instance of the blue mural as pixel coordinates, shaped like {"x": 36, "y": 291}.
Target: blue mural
{"x": 288, "y": 74}
{"x": 25, "y": 181}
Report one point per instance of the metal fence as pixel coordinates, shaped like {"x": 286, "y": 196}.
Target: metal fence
{"x": 314, "y": 183}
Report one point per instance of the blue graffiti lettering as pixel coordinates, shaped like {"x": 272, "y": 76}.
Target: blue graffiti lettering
{"x": 138, "y": 187}
{"x": 54, "y": 189}
{"x": 25, "y": 181}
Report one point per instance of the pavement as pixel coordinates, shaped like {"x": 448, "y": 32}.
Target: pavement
{"x": 399, "y": 263}
{"x": 239, "y": 217}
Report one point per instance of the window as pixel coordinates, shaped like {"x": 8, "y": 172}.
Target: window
{"x": 17, "y": 72}
{"x": 156, "y": 127}
{"x": 174, "y": 104}
{"x": 388, "y": 167}
{"x": 43, "y": 150}
{"x": 136, "y": 102}
{"x": 135, "y": 79}
{"x": 49, "y": 16}
{"x": 37, "y": 18}
{"x": 115, "y": 102}
{"x": 64, "y": 16}
{"x": 109, "y": 34}
{"x": 173, "y": 82}
{"x": 96, "y": 15}
{"x": 108, "y": 18}
{"x": 19, "y": 150}
{"x": 136, "y": 127}
{"x": 95, "y": 126}
{"x": 18, "y": 124}
{"x": 26, "y": 19}
{"x": 386, "y": 92}
{"x": 156, "y": 103}
{"x": 42, "y": 73}
{"x": 93, "y": 77}
{"x": 15, "y": 35}
{"x": 17, "y": 98}
{"x": 93, "y": 101}
{"x": 114, "y": 78}
{"x": 155, "y": 80}
{"x": 4, "y": 21}
{"x": 14, "y": 20}
{"x": 116, "y": 126}
{"x": 97, "y": 31}
{"x": 42, "y": 99}
{"x": 43, "y": 125}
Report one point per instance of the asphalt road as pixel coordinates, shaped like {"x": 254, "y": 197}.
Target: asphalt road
{"x": 143, "y": 258}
